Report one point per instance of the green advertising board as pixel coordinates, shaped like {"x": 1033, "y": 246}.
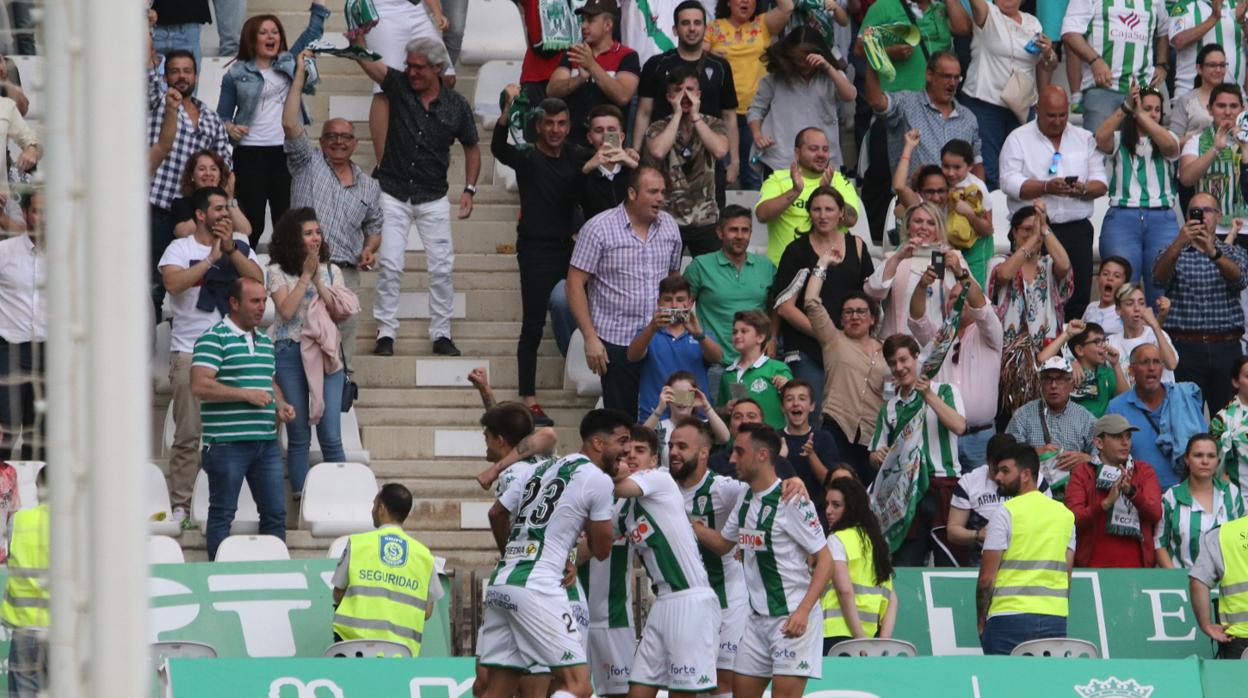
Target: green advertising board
{"x": 859, "y": 677}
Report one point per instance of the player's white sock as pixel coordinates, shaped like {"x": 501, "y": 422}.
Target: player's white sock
{"x": 721, "y": 695}
{"x": 562, "y": 694}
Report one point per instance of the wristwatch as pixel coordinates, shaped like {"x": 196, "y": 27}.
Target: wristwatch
{"x": 1217, "y": 255}
{"x": 819, "y": 272}
{"x": 470, "y": 189}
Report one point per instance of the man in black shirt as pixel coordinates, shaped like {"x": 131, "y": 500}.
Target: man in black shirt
{"x": 719, "y": 96}
{"x": 608, "y": 171}
{"x": 550, "y": 177}
{"x": 598, "y": 71}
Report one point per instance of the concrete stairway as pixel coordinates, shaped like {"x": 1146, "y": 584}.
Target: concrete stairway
{"x": 417, "y": 413}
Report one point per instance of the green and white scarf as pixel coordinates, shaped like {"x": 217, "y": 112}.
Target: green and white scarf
{"x": 558, "y": 24}
{"x": 1124, "y": 518}
{"x": 361, "y": 17}
{"x": 877, "y": 38}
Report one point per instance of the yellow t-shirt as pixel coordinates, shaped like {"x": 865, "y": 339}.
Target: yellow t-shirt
{"x": 742, "y": 48}
{"x": 783, "y": 230}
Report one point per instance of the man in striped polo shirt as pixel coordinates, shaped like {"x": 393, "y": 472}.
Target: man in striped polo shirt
{"x": 240, "y": 405}
{"x": 1112, "y": 37}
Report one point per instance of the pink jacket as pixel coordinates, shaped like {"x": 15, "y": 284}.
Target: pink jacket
{"x": 321, "y": 343}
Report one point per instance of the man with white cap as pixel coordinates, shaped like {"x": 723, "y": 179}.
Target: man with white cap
{"x": 1059, "y": 430}
{"x": 1116, "y": 501}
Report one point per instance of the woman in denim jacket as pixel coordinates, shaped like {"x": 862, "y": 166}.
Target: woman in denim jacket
{"x": 253, "y": 93}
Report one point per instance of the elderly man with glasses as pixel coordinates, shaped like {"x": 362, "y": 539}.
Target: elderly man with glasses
{"x": 1204, "y": 277}
{"x": 1049, "y": 159}
{"x": 1059, "y": 429}
{"x": 347, "y": 201}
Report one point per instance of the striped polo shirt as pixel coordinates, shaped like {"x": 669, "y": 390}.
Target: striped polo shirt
{"x": 240, "y": 360}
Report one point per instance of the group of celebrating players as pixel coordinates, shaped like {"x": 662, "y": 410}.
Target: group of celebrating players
{"x": 739, "y": 566}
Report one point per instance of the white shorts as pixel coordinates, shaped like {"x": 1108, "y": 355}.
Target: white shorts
{"x": 731, "y": 625}
{"x": 401, "y": 21}
{"x": 529, "y": 630}
{"x": 580, "y": 614}
{"x": 611, "y": 659}
{"x": 678, "y": 647}
{"x": 766, "y": 652}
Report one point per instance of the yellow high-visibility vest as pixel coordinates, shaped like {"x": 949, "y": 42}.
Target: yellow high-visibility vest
{"x": 26, "y": 595}
{"x": 1233, "y": 608}
{"x": 389, "y": 574}
{"x": 1033, "y": 575}
{"x": 870, "y": 599}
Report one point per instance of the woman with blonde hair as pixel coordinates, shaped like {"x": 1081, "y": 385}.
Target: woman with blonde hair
{"x": 923, "y": 236}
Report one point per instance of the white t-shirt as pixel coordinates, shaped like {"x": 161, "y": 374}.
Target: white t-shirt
{"x": 837, "y": 548}
{"x": 188, "y": 322}
{"x": 266, "y": 123}
{"x": 1126, "y": 346}
{"x": 518, "y": 472}
{"x": 659, "y": 530}
{"x": 712, "y": 501}
{"x": 341, "y": 572}
{"x": 550, "y": 512}
{"x": 977, "y": 493}
{"x": 997, "y": 51}
{"x": 795, "y": 533}
{"x": 1107, "y": 318}
{"x": 970, "y": 180}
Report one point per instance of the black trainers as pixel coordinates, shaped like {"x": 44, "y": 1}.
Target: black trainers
{"x": 540, "y": 418}
{"x": 443, "y": 346}
{"x": 385, "y": 346}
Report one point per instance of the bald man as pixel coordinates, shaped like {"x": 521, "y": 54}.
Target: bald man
{"x": 347, "y": 201}
{"x": 1049, "y": 159}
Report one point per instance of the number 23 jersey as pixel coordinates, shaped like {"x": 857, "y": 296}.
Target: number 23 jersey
{"x": 549, "y": 512}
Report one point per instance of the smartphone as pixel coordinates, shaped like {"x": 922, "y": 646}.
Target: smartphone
{"x": 1198, "y": 215}
{"x": 682, "y": 398}
{"x": 1072, "y": 179}
{"x": 737, "y": 391}
{"x": 938, "y": 263}
{"x": 611, "y": 138}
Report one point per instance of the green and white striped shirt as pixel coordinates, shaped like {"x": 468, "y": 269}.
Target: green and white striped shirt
{"x": 1140, "y": 180}
{"x": 661, "y": 532}
{"x": 1122, "y": 33}
{"x": 775, "y": 538}
{"x": 1184, "y": 521}
{"x": 712, "y": 501}
{"x": 609, "y": 583}
{"x": 940, "y": 446}
{"x": 1226, "y": 33}
{"x": 1221, "y": 180}
{"x": 238, "y": 360}
{"x": 1230, "y": 428}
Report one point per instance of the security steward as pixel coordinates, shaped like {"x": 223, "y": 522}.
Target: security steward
{"x": 868, "y": 586}
{"x": 1029, "y": 551}
{"x": 1223, "y": 561}
{"x": 25, "y": 610}
{"x": 385, "y": 586}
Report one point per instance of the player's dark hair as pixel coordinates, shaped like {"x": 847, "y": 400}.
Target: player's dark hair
{"x": 602, "y": 422}
{"x": 510, "y": 420}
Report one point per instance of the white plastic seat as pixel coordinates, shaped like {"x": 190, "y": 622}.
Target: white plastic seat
{"x": 352, "y": 448}
{"x": 338, "y": 499}
{"x": 166, "y": 434}
{"x": 890, "y": 222}
{"x": 246, "y": 518}
{"x": 492, "y": 77}
{"x": 163, "y": 550}
{"x": 873, "y": 647}
{"x": 158, "y": 503}
{"x": 208, "y": 90}
{"x": 576, "y": 373}
{"x": 365, "y": 649}
{"x": 252, "y": 549}
{"x": 27, "y": 471}
{"x": 336, "y": 548}
{"x": 505, "y": 177}
{"x": 1000, "y": 221}
{"x": 1057, "y": 647}
{"x": 31, "y": 70}
{"x": 493, "y": 30}
{"x": 162, "y": 652}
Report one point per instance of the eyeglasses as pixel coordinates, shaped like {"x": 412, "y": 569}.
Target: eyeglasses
{"x": 1098, "y": 342}
{"x": 1057, "y": 160}
{"x": 331, "y": 137}
{"x": 1206, "y": 210}
{"x": 1057, "y": 378}
{"x": 948, "y": 77}
{"x": 1210, "y": 64}
{"x": 854, "y": 311}
{"x": 957, "y": 352}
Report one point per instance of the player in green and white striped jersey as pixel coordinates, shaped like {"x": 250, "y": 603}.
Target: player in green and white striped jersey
{"x": 1118, "y": 40}
{"x": 1193, "y": 26}
{"x": 529, "y": 621}
{"x": 1198, "y": 504}
{"x": 678, "y": 646}
{"x": 783, "y": 639}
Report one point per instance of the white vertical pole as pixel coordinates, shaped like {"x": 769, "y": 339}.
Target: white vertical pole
{"x": 65, "y": 374}
{"x": 116, "y": 237}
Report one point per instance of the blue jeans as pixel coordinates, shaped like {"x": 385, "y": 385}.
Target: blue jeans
{"x": 748, "y": 178}
{"x": 995, "y": 123}
{"x": 28, "y": 663}
{"x": 456, "y": 13}
{"x": 178, "y": 36}
{"x": 1098, "y": 103}
{"x": 1003, "y": 633}
{"x": 973, "y": 449}
{"x": 1139, "y": 235}
{"x": 229, "y": 15}
{"x": 294, "y": 384}
{"x": 806, "y": 369}
{"x": 561, "y": 320}
{"x": 227, "y": 465}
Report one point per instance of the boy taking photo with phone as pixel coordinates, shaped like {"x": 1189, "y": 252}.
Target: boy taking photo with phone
{"x": 672, "y": 341}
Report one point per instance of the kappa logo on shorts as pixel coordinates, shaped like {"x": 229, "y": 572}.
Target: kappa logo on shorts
{"x": 703, "y": 680}
{"x": 567, "y": 656}
{"x": 804, "y": 665}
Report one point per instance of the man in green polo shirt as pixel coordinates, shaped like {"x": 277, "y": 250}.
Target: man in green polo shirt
{"x": 240, "y": 405}
{"x": 727, "y": 281}
{"x": 782, "y": 204}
